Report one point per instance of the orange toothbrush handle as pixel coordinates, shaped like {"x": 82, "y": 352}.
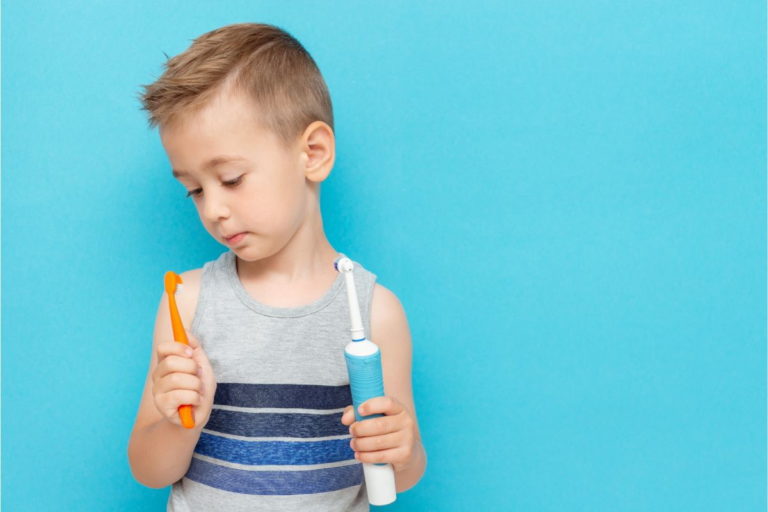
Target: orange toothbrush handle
{"x": 180, "y": 335}
{"x": 185, "y": 414}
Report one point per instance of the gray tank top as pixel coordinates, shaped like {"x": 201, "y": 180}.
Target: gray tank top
{"x": 274, "y": 440}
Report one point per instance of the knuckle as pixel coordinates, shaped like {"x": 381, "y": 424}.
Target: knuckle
{"x": 176, "y": 379}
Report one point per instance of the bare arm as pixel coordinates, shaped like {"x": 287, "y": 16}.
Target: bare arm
{"x": 160, "y": 450}
{"x": 395, "y": 438}
{"x": 160, "y": 453}
{"x": 390, "y": 331}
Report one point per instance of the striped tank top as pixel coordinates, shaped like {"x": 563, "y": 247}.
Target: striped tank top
{"x": 274, "y": 440}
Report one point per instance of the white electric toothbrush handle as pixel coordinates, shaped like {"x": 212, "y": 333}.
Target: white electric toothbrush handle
{"x": 365, "y": 381}
{"x": 354, "y": 308}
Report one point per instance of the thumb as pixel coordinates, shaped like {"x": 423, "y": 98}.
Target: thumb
{"x": 192, "y": 340}
{"x": 348, "y": 417}
{"x": 201, "y": 358}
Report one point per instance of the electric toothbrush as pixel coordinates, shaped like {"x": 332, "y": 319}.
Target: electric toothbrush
{"x": 365, "y": 380}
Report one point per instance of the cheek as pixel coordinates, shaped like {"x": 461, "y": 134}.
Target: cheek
{"x": 288, "y": 198}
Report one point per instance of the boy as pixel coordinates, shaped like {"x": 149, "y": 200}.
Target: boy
{"x": 246, "y": 120}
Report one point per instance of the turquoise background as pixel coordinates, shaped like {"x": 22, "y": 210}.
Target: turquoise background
{"x": 569, "y": 198}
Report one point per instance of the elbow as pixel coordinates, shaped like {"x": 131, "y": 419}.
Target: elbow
{"x": 140, "y": 474}
{"x": 147, "y": 482}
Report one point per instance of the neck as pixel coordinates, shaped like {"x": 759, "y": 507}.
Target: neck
{"x": 305, "y": 256}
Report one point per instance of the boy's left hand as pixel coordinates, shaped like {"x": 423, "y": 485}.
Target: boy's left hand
{"x": 390, "y": 438}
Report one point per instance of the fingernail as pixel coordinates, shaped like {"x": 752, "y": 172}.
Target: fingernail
{"x": 188, "y": 351}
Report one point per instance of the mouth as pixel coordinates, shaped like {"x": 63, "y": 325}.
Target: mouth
{"x": 231, "y": 240}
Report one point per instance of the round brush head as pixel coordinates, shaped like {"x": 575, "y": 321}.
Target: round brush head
{"x": 343, "y": 264}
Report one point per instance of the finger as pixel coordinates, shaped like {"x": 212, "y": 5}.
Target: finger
{"x": 376, "y": 443}
{"x": 169, "y": 402}
{"x": 179, "y": 380}
{"x": 380, "y": 405}
{"x": 349, "y": 416}
{"x": 193, "y": 341}
{"x": 383, "y": 456}
{"x": 206, "y": 370}
{"x": 374, "y": 426}
{"x": 198, "y": 354}
{"x": 168, "y": 348}
{"x": 175, "y": 363}
{"x": 179, "y": 397}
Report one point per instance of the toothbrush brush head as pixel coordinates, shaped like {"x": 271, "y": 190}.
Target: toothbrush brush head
{"x": 172, "y": 283}
{"x": 343, "y": 264}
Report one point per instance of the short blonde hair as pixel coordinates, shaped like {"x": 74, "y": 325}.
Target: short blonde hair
{"x": 264, "y": 61}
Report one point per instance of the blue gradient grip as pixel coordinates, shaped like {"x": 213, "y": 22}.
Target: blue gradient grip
{"x": 365, "y": 381}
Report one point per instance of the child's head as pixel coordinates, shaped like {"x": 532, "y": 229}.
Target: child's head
{"x": 252, "y": 92}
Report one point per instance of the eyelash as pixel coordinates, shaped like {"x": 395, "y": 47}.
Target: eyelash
{"x": 234, "y": 182}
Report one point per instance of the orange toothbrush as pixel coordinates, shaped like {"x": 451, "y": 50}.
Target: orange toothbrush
{"x": 172, "y": 279}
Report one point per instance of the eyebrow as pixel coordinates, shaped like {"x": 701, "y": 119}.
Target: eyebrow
{"x": 210, "y": 164}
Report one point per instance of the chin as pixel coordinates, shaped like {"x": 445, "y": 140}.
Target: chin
{"x": 248, "y": 252}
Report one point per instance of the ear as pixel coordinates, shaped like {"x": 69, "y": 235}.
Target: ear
{"x": 318, "y": 151}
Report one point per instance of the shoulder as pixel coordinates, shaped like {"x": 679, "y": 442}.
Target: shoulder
{"x": 191, "y": 280}
{"x": 384, "y": 301}
{"x": 388, "y": 319}
{"x": 187, "y": 299}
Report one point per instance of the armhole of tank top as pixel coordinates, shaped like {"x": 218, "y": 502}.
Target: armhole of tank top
{"x": 369, "y": 302}
{"x": 201, "y": 302}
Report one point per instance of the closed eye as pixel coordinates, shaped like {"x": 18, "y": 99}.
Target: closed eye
{"x": 231, "y": 183}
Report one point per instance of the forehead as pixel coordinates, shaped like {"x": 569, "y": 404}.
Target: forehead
{"x": 226, "y": 125}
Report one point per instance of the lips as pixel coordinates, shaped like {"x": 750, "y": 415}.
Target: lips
{"x": 235, "y": 238}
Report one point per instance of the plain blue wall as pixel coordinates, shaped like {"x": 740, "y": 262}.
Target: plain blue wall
{"x": 569, "y": 198}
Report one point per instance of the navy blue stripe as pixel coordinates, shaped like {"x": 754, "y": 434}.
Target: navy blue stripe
{"x": 267, "y": 424}
{"x": 275, "y": 482}
{"x": 274, "y": 452}
{"x": 301, "y": 396}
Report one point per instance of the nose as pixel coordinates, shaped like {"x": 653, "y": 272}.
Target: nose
{"x": 214, "y": 206}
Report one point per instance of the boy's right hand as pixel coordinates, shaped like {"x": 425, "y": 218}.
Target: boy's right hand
{"x": 181, "y": 378}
